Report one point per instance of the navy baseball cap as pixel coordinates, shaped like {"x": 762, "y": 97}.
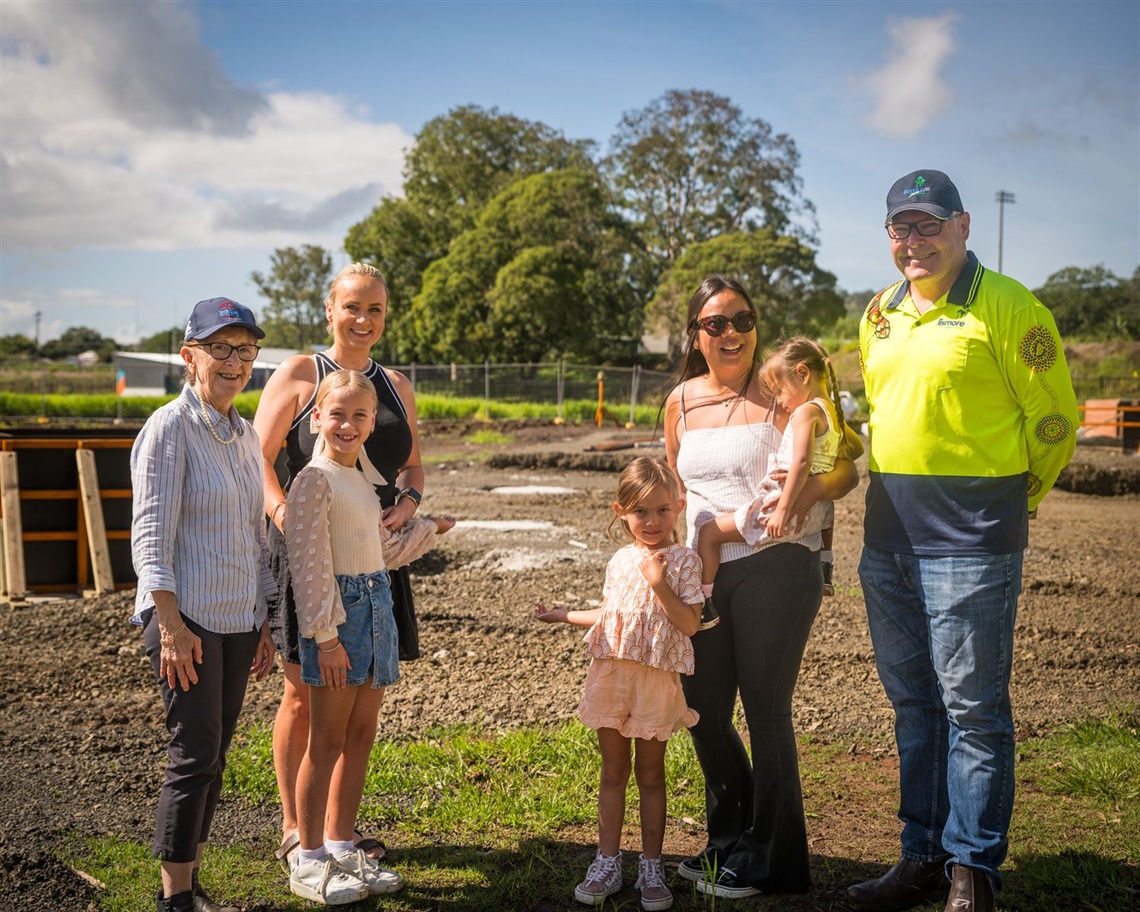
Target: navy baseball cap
{"x": 924, "y": 191}
{"x": 218, "y": 313}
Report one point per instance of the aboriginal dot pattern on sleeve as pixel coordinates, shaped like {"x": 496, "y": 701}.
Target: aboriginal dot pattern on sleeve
{"x": 1053, "y": 429}
{"x": 1038, "y": 349}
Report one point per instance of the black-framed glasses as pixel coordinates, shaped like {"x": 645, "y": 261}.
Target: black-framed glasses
{"x": 743, "y": 321}
{"x": 221, "y": 351}
{"x": 900, "y": 231}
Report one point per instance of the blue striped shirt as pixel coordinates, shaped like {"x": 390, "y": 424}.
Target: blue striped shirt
{"x": 198, "y": 528}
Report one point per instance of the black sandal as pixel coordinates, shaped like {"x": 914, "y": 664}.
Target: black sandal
{"x": 373, "y": 848}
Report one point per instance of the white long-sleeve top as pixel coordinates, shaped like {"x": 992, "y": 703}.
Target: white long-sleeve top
{"x": 332, "y": 528}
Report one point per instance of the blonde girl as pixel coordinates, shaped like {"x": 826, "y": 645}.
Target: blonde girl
{"x": 639, "y": 641}
{"x": 800, "y": 378}
{"x": 339, "y": 555}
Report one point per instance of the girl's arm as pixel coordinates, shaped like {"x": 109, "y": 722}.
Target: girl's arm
{"x": 565, "y": 616}
{"x": 806, "y": 423}
{"x": 685, "y": 617}
{"x": 319, "y": 608}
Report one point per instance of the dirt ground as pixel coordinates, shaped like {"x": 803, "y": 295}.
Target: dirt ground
{"x": 82, "y": 746}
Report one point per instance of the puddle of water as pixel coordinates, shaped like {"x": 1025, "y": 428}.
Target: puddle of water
{"x": 505, "y": 525}
{"x": 533, "y": 489}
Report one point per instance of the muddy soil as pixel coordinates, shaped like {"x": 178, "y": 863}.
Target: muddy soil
{"x": 82, "y": 747}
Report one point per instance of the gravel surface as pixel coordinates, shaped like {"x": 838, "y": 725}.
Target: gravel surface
{"x": 82, "y": 746}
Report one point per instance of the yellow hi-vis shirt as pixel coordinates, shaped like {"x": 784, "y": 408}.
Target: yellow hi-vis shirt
{"x": 972, "y": 416}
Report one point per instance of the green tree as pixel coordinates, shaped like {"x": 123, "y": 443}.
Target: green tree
{"x": 16, "y": 346}
{"x": 791, "y": 293}
{"x": 166, "y": 341}
{"x": 550, "y": 268}
{"x": 1093, "y": 303}
{"x": 690, "y": 166}
{"x": 460, "y": 161}
{"x": 78, "y": 339}
{"x": 295, "y": 288}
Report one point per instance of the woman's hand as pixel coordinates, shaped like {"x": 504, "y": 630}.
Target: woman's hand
{"x": 181, "y": 650}
{"x": 263, "y": 658}
{"x": 334, "y": 665}
{"x": 399, "y": 513}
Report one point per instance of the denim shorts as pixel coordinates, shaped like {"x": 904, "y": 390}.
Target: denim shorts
{"x": 368, "y": 633}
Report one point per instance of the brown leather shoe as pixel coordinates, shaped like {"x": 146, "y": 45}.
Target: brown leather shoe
{"x": 970, "y": 891}
{"x": 904, "y": 886}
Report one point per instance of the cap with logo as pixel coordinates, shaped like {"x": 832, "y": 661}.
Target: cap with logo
{"x": 219, "y": 313}
{"x": 924, "y": 191}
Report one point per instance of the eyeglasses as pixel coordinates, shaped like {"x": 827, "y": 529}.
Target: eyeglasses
{"x": 900, "y": 231}
{"x": 221, "y": 351}
{"x": 742, "y": 322}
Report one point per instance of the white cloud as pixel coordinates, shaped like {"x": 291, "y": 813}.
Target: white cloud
{"x": 909, "y": 92}
{"x": 122, "y": 132}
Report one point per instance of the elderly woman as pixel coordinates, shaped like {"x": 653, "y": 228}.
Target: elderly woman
{"x": 357, "y": 310}
{"x": 198, "y": 543}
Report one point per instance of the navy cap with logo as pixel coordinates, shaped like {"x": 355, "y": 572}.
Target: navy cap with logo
{"x": 925, "y": 191}
{"x": 219, "y": 313}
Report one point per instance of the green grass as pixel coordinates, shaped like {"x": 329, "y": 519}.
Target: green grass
{"x": 489, "y": 437}
{"x": 480, "y": 820}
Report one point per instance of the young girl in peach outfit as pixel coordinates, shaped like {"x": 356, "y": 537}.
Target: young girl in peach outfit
{"x": 639, "y": 641}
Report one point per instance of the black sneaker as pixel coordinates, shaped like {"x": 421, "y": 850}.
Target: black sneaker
{"x": 725, "y": 885}
{"x": 710, "y": 617}
{"x": 699, "y": 866}
{"x": 828, "y": 585}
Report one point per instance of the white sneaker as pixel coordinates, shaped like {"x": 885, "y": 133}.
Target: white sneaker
{"x": 358, "y": 865}
{"x": 320, "y": 881}
{"x": 655, "y": 895}
{"x": 603, "y": 878}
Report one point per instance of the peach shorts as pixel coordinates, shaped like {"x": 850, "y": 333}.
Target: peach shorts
{"x": 637, "y": 700}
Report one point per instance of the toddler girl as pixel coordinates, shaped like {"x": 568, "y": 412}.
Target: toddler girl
{"x": 639, "y": 641}
{"x": 339, "y": 554}
{"x": 801, "y": 380}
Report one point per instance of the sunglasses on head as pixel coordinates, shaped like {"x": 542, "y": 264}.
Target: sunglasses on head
{"x": 742, "y": 322}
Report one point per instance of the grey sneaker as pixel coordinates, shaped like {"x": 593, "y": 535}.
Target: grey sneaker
{"x": 320, "y": 881}
{"x": 603, "y": 879}
{"x": 379, "y": 879}
{"x": 651, "y": 882}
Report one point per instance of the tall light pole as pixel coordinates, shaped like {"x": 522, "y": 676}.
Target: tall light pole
{"x": 1003, "y": 197}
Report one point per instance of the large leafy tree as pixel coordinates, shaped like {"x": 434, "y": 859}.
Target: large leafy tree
{"x": 16, "y": 346}
{"x": 690, "y": 166}
{"x": 791, "y": 292}
{"x": 1093, "y": 303}
{"x": 295, "y": 288}
{"x": 550, "y": 268}
{"x": 460, "y": 161}
{"x": 164, "y": 341}
{"x": 78, "y": 339}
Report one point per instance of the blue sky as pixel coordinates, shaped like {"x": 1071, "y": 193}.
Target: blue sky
{"x": 154, "y": 153}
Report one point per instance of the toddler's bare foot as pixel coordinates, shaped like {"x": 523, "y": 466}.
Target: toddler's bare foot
{"x": 443, "y": 523}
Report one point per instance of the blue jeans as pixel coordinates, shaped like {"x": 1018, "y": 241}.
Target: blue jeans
{"x": 942, "y": 629}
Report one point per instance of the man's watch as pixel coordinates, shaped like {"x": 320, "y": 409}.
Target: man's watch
{"x": 415, "y": 495}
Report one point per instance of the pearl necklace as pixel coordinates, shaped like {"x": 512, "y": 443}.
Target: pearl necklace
{"x": 213, "y": 430}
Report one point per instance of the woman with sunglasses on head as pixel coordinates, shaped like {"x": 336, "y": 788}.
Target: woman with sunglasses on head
{"x": 357, "y": 308}
{"x": 198, "y": 546}
{"x": 721, "y": 426}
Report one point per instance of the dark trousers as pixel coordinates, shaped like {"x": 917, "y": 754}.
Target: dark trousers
{"x": 201, "y": 722}
{"x": 767, "y": 603}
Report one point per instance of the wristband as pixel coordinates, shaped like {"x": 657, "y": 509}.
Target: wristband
{"x": 415, "y": 495}
{"x": 334, "y": 649}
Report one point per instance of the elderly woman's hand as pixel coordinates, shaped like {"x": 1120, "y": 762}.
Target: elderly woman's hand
{"x": 181, "y": 651}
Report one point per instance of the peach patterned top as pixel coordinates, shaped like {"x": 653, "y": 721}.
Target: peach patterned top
{"x": 633, "y": 625}
{"x": 332, "y": 527}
